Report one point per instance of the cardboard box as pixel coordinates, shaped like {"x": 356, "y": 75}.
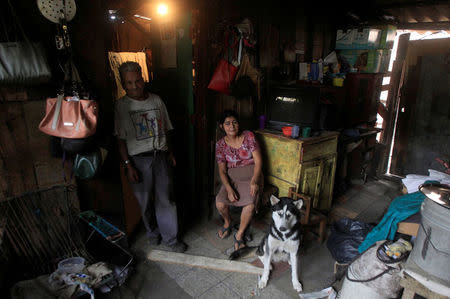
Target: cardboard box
{"x": 367, "y": 38}
{"x": 385, "y": 59}
{"x": 388, "y": 33}
{"x": 350, "y": 56}
{"x": 369, "y": 61}
{"x": 344, "y": 39}
{"x": 365, "y": 61}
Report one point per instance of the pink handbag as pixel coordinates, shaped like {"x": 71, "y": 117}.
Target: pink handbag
{"x": 69, "y": 118}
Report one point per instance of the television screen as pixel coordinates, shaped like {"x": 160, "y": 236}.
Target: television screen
{"x": 294, "y": 106}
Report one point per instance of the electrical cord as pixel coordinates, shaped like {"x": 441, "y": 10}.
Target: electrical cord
{"x": 387, "y": 270}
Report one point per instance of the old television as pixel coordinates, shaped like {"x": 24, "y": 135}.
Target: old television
{"x": 294, "y": 105}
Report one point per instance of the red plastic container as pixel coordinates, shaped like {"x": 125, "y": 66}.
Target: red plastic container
{"x": 287, "y": 131}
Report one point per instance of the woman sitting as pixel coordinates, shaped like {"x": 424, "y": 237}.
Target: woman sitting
{"x": 240, "y": 168}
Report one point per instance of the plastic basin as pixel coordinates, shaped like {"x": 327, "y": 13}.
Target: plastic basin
{"x": 72, "y": 265}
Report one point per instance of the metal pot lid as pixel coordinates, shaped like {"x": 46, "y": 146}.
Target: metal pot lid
{"x": 439, "y": 193}
{"x": 54, "y": 10}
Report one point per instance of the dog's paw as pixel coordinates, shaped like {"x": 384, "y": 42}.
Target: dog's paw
{"x": 297, "y": 286}
{"x": 262, "y": 283}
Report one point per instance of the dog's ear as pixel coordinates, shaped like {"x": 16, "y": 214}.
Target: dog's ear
{"x": 274, "y": 200}
{"x": 298, "y": 203}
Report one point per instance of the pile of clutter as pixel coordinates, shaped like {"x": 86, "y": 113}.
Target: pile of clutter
{"x": 72, "y": 279}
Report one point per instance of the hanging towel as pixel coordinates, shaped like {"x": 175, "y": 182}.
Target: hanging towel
{"x": 117, "y": 58}
{"x": 400, "y": 208}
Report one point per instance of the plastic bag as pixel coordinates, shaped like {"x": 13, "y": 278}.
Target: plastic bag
{"x": 223, "y": 77}
{"x": 345, "y": 238}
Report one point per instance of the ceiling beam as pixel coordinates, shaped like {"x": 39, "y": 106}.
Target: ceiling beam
{"x": 422, "y": 3}
{"x": 425, "y": 26}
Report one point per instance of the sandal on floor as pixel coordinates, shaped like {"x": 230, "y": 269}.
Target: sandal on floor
{"x": 226, "y": 232}
{"x": 239, "y": 243}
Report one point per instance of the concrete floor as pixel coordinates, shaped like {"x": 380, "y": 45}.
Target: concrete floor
{"x": 151, "y": 279}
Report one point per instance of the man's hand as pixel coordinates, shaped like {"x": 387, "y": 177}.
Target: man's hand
{"x": 132, "y": 174}
{"x": 172, "y": 159}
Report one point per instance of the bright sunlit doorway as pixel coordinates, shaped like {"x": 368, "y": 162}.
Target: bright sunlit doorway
{"x": 386, "y": 84}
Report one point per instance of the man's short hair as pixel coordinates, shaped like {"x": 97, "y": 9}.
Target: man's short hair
{"x": 129, "y": 66}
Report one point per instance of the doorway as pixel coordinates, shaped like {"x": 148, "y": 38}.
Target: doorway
{"x": 405, "y": 90}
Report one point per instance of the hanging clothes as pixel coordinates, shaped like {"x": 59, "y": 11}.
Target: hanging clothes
{"x": 117, "y": 58}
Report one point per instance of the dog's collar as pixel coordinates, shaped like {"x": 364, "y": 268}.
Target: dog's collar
{"x": 294, "y": 230}
{"x": 274, "y": 232}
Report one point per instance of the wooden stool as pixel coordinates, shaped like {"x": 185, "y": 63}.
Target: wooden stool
{"x": 412, "y": 287}
{"x": 310, "y": 217}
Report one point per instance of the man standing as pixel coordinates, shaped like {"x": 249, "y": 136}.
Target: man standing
{"x": 141, "y": 127}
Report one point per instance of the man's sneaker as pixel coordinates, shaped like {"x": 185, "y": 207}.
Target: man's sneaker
{"x": 178, "y": 247}
{"x": 154, "y": 241}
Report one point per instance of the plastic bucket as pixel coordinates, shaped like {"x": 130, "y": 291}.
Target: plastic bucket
{"x": 431, "y": 250}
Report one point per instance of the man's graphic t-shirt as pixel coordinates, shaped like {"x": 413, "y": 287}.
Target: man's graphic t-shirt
{"x": 142, "y": 124}
{"x": 146, "y": 123}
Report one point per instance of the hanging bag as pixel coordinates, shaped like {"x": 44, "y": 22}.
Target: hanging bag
{"x": 247, "y": 80}
{"x": 223, "y": 77}
{"x": 69, "y": 116}
{"x": 226, "y": 70}
{"x": 22, "y": 62}
{"x": 86, "y": 166}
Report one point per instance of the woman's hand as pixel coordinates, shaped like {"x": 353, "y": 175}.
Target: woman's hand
{"x": 132, "y": 174}
{"x": 254, "y": 188}
{"x": 232, "y": 196}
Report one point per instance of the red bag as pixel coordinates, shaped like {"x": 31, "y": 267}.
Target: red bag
{"x": 223, "y": 77}
{"x": 69, "y": 119}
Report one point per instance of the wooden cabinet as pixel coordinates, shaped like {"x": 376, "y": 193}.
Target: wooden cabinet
{"x": 307, "y": 164}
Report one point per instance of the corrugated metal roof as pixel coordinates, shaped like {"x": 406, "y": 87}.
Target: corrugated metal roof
{"x": 417, "y": 13}
{"x": 412, "y": 14}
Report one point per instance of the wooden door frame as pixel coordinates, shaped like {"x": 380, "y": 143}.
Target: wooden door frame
{"x": 392, "y": 103}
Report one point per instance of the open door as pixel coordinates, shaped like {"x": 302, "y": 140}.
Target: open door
{"x": 422, "y": 128}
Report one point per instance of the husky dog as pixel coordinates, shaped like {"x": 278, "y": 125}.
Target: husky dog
{"x": 283, "y": 237}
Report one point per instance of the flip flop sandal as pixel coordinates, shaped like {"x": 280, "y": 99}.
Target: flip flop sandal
{"x": 224, "y": 230}
{"x": 247, "y": 235}
{"x": 239, "y": 243}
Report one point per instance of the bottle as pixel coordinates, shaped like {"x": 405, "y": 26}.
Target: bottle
{"x": 262, "y": 121}
{"x": 295, "y": 131}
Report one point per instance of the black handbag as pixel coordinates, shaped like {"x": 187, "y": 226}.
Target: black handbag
{"x": 22, "y": 62}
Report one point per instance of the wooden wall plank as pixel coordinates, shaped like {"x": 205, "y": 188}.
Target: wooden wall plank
{"x": 48, "y": 170}
{"x": 16, "y": 162}
{"x": 25, "y": 160}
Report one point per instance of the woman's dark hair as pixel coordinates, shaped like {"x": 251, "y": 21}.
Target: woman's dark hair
{"x": 228, "y": 113}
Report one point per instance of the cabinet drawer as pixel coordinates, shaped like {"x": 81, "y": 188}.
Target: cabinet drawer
{"x": 311, "y": 151}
